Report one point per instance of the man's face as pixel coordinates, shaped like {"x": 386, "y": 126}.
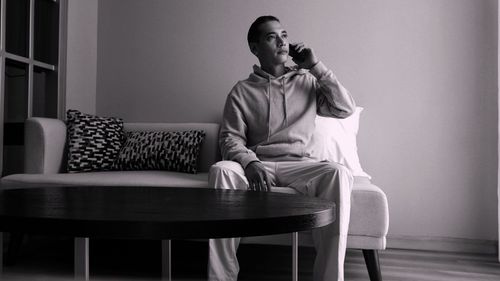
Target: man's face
{"x": 272, "y": 48}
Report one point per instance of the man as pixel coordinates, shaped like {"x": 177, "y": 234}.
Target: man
{"x": 267, "y": 126}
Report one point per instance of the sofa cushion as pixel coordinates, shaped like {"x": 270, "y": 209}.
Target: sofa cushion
{"x": 369, "y": 222}
{"x": 170, "y": 151}
{"x": 369, "y": 208}
{"x": 93, "y": 141}
{"x": 112, "y": 178}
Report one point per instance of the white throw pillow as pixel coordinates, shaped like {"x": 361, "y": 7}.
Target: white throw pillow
{"x": 335, "y": 140}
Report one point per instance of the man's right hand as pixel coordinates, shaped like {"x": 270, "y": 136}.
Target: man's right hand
{"x": 257, "y": 176}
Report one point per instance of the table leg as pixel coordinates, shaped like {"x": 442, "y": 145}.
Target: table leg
{"x": 81, "y": 258}
{"x": 166, "y": 269}
{"x": 1, "y": 254}
{"x": 295, "y": 256}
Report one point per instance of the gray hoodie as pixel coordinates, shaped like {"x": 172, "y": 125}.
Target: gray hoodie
{"x": 269, "y": 118}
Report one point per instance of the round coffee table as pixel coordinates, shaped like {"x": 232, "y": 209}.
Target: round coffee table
{"x": 157, "y": 213}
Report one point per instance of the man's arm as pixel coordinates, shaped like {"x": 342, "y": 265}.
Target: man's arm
{"x": 233, "y": 134}
{"x": 232, "y": 141}
{"x": 333, "y": 100}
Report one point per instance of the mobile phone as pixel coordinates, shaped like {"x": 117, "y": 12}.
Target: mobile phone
{"x": 294, "y": 54}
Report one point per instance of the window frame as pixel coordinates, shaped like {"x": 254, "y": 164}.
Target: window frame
{"x": 31, "y": 62}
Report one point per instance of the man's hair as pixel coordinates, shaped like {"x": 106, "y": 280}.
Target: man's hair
{"x": 254, "y": 32}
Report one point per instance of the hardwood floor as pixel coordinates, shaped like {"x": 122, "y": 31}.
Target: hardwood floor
{"x": 43, "y": 258}
{"x": 437, "y": 266}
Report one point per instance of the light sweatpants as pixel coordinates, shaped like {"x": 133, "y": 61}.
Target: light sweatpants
{"x": 326, "y": 180}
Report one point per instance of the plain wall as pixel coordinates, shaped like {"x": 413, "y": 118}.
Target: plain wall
{"x": 425, "y": 72}
{"x": 81, "y": 62}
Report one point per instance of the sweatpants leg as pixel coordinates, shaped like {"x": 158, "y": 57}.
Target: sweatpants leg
{"x": 326, "y": 180}
{"x": 222, "y": 262}
{"x": 333, "y": 182}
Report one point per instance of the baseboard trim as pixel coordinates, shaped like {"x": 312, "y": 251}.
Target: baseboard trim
{"x": 443, "y": 244}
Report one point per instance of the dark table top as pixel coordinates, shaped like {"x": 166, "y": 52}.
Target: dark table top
{"x": 158, "y": 213}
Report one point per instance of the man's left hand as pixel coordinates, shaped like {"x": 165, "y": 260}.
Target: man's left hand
{"x": 306, "y": 57}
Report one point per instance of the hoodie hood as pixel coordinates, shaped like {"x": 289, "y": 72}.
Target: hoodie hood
{"x": 259, "y": 75}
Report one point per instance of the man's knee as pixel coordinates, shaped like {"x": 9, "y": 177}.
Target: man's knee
{"x": 226, "y": 166}
{"x": 334, "y": 168}
{"x": 339, "y": 173}
{"x": 227, "y": 175}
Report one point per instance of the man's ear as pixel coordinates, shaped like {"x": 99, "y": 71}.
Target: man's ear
{"x": 253, "y": 48}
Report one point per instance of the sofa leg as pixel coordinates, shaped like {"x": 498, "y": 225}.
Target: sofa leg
{"x": 372, "y": 264}
{"x": 15, "y": 241}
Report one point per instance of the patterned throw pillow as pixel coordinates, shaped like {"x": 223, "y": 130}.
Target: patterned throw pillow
{"x": 171, "y": 151}
{"x": 93, "y": 141}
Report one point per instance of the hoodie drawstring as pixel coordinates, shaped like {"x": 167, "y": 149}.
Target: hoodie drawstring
{"x": 284, "y": 101}
{"x": 269, "y": 108}
{"x": 260, "y": 76}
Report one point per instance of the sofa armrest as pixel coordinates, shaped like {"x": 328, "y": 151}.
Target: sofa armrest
{"x": 45, "y": 143}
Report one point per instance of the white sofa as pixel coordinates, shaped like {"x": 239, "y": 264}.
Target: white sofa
{"x": 45, "y": 158}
